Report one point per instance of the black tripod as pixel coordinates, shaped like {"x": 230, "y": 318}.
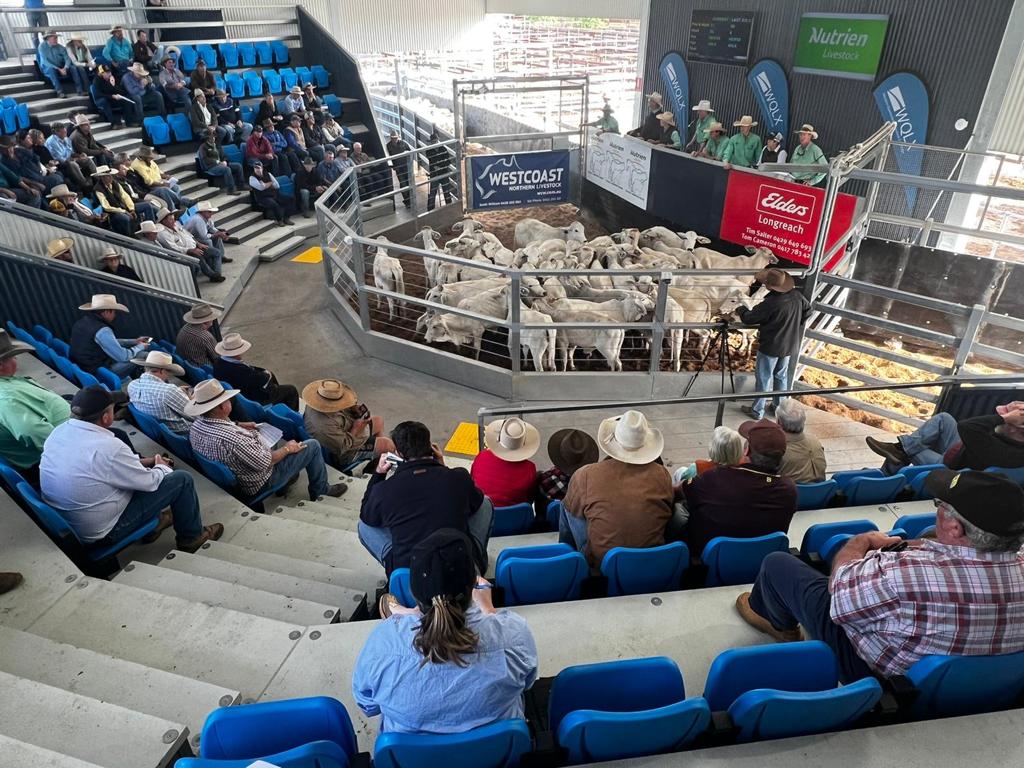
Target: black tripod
{"x": 721, "y": 337}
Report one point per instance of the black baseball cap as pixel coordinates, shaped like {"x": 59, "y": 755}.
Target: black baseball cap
{"x": 989, "y": 500}
{"x": 442, "y": 565}
{"x": 89, "y": 402}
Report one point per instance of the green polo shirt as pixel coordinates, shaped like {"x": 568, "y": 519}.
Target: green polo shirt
{"x": 809, "y": 155}
{"x": 609, "y": 124}
{"x": 700, "y": 128}
{"x": 715, "y": 147}
{"x": 28, "y": 414}
{"x": 742, "y": 151}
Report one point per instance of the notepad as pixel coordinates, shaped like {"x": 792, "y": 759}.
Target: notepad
{"x": 269, "y": 434}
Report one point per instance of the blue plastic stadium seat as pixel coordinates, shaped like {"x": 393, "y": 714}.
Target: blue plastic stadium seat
{"x": 246, "y": 409}
{"x": 289, "y": 77}
{"x": 638, "y": 571}
{"x": 219, "y": 81}
{"x": 913, "y": 470}
{"x": 496, "y": 745}
{"x": 247, "y": 53}
{"x": 150, "y": 427}
{"x": 65, "y": 367}
{"x": 248, "y": 113}
{"x": 317, "y": 754}
{"x": 10, "y": 119}
{"x": 11, "y": 476}
{"x": 333, "y": 104}
{"x": 46, "y": 354}
{"x": 274, "y": 82}
{"x": 816, "y": 495}
{"x": 1014, "y": 473}
{"x": 264, "y": 52}
{"x": 950, "y": 686}
{"x": 283, "y": 412}
{"x": 229, "y": 52}
{"x": 109, "y": 379}
{"x": 287, "y": 186}
{"x": 180, "y": 125}
{"x": 530, "y": 580}
{"x": 398, "y": 585}
{"x": 280, "y": 51}
{"x": 789, "y": 689}
{"x": 232, "y": 153}
{"x": 253, "y": 84}
{"x": 844, "y": 478}
{"x": 915, "y": 524}
{"x": 816, "y": 535}
{"x": 288, "y": 427}
{"x": 620, "y": 709}
{"x": 19, "y": 333}
{"x": 305, "y": 74}
{"x": 512, "y": 521}
{"x": 42, "y": 333}
{"x": 187, "y": 58}
{"x": 917, "y": 487}
{"x": 157, "y": 129}
{"x": 176, "y": 444}
{"x": 84, "y": 378}
{"x": 737, "y": 561}
{"x": 221, "y": 475}
{"x": 553, "y": 512}
{"x": 192, "y": 374}
{"x": 21, "y": 112}
{"x": 862, "y": 491}
{"x": 208, "y": 54}
{"x": 321, "y": 76}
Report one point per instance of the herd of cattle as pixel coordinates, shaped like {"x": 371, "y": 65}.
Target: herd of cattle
{"x": 615, "y": 298}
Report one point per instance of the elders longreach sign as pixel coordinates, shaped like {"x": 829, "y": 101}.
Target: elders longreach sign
{"x": 840, "y": 44}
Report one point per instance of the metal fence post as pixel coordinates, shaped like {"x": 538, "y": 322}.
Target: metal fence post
{"x": 514, "y": 331}
{"x": 359, "y": 268}
{"x": 963, "y": 351}
{"x": 410, "y": 167}
{"x": 658, "y": 324}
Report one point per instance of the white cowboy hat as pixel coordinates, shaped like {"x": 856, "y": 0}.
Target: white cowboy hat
{"x": 630, "y": 439}
{"x": 161, "y": 360}
{"x": 82, "y": 120}
{"x": 59, "y": 245}
{"x": 512, "y": 439}
{"x": 745, "y": 122}
{"x": 329, "y": 395}
{"x": 808, "y": 128}
{"x": 138, "y": 69}
{"x": 201, "y": 313}
{"x": 702, "y": 106}
{"x": 716, "y": 126}
{"x": 295, "y": 90}
{"x": 103, "y": 170}
{"x": 205, "y": 206}
{"x": 103, "y": 301}
{"x": 148, "y": 228}
{"x": 206, "y": 396}
{"x": 655, "y": 95}
{"x": 61, "y": 190}
{"x": 667, "y": 117}
{"x": 110, "y": 253}
{"x": 233, "y": 345}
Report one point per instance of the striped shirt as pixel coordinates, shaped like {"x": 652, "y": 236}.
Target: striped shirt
{"x": 162, "y": 400}
{"x": 240, "y": 449}
{"x": 196, "y": 345}
{"x": 930, "y": 599}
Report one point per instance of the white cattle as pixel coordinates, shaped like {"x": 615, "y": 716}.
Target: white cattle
{"x": 653, "y": 236}
{"x": 430, "y": 265}
{"x": 467, "y": 226}
{"x": 758, "y": 258}
{"x": 451, "y": 294}
{"x": 388, "y": 276}
{"x": 530, "y": 230}
{"x": 607, "y": 341}
{"x": 448, "y": 327}
{"x": 539, "y": 341}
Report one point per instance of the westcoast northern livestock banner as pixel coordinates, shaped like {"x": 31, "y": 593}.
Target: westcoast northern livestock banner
{"x": 519, "y": 179}
{"x": 621, "y": 165}
{"x": 768, "y": 82}
{"x": 677, "y": 84}
{"x": 903, "y": 99}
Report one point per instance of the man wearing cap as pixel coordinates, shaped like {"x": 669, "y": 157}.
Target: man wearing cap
{"x": 112, "y": 262}
{"x": 255, "y": 383}
{"x": 396, "y": 146}
{"x": 53, "y": 60}
{"x": 808, "y": 153}
{"x": 257, "y": 147}
{"x": 267, "y": 191}
{"x": 406, "y": 501}
{"x": 154, "y": 395}
{"x": 701, "y": 124}
{"x": 779, "y": 318}
{"x": 213, "y": 160}
{"x": 293, "y": 104}
{"x": 28, "y": 412}
{"x": 206, "y": 232}
{"x": 174, "y": 237}
{"x": 146, "y": 53}
{"x": 744, "y": 148}
{"x": 202, "y": 79}
{"x": 241, "y": 448}
{"x": 341, "y": 424}
{"x": 623, "y": 501}
{"x": 194, "y": 342}
{"x": 714, "y": 147}
{"x": 138, "y": 84}
{"x": 605, "y": 123}
{"x": 229, "y": 118}
{"x": 742, "y": 501}
{"x": 308, "y": 186}
{"x": 287, "y": 160}
{"x": 888, "y": 604}
{"x": 295, "y": 137}
{"x": 650, "y": 130}
{"x": 568, "y": 449}
{"x": 773, "y": 151}
{"x": 503, "y": 470}
{"x": 118, "y": 51}
{"x": 78, "y": 168}
{"x": 93, "y": 343}
{"x": 669, "y": 131}
{"x": 172, "y": 81}
{"x": 106, "y": 491}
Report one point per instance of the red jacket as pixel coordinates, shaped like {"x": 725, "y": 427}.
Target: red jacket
{"x": 504, "y": 482}
{"x": 258, "y": 147}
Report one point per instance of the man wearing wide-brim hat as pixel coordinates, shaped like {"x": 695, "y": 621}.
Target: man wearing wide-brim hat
{"x": 118, "y": 50}
{"x": 779, "y": 318}
{"x": 255, "y": 383}
{"x": 172, "y": 80}
{"x": 705, "y": 117}
{"x": 650, "y": 129}
{"x": 568, "y": 449}
{"x": 716, "y": 143}
{"x": 293, "y": 103}
{"x": 808, "y": 153}
{"x": 60, "y": 249}
{"x": 112, "y": 262}
{"x": 194, "y": 343}
{"x": 55, "y": 64}
{"x": 341, "y": 424}
{"x": 503, "y": 470}
{"x": 744, "y": 148}
{"x": 605, "y": 123}
{"x": 156, "y": 396}
{"x": 669, "y": 131}
{"x": 138, "y": 84}
{"x": 161, "y": 185}
{"x": 623, "y": 501}
{"x": 258, "y": 467}
{"x": 93, "y": 343}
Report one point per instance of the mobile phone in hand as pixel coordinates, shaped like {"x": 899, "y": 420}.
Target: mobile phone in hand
{"x": 363, "y": 411}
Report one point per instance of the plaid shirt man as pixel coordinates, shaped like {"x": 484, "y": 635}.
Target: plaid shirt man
{"x": 196, "y": 345}
{"x": 240, "y": 449}
{"x": 162, "y": 400}
{"x": 932, "y": 598}
{"x": 553, "y": 484}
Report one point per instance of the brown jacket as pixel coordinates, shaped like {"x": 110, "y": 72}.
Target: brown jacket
{"x": 332, "y": 430}
{"x": 804, "y": 461}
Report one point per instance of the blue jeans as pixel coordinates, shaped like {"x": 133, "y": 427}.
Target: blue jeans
{"x": 53, "y": 76}
{"x": 929, "y": 442}
{"x": 154, "y": 96}
{"x": 770, "y": 374}
{"x": 80, "y": 77}
{"x": 210, "y": 263}
{"x": 788, "y": 592}
{"x": 572, "y": 530}
{"x": 232, "y": 174}
{"x": 311, "y": 459}
{"x": 176, "y": 491}
{"x": 175, "y": 98}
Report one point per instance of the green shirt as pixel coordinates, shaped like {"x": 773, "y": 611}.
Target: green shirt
{"x": 715, "y": 147}
{"x": 700, "y": 128}
{"x": 28, "y": 414}
{"x": 609, "y": 124}
{"x": 673, "y": 140}
{"x": 809, "y": 155}
{"x": 742, "y": 151}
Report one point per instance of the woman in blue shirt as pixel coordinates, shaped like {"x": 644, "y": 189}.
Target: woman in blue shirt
{"x": 452, "y": 664}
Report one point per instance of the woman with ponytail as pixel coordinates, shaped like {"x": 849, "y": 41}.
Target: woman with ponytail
{"x": 454, "y": 662}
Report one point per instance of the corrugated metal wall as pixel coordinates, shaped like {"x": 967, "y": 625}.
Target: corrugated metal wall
{"x": 950, "y": 44}
{"x": 1008, "y": 133}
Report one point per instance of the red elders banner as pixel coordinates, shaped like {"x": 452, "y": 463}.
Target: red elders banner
{"x": 782, "y": 216}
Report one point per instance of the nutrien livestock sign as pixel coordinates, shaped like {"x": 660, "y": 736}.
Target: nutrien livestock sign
{"x": 840, "y": 44}
{"x": 519, "y": 179}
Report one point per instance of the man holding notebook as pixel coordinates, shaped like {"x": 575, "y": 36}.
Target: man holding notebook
{"x": 258, "y": 458}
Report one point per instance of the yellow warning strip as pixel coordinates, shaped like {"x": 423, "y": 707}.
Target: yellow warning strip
{"x": 464, "y": 440}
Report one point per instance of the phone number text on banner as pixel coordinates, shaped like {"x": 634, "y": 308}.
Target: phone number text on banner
{"x": 519, "y": 179}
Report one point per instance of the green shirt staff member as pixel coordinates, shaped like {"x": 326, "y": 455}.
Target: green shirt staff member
{"x": 808, "y": 153}
{"x": 714, "y": 147}
{"x": 670, "y": 134}
{"x": 705, "y": 119}
{"x": 744, "y": 148}
{"x": 606, "y": 123}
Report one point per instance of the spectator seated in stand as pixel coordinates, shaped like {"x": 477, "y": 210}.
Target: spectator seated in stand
{"x": 341, "y": 424}
{"x": 804, "y": 460}
{"x": 334, "y": 134}
{"x": 229, "y": 118}
{"x": 79, "y": 168}
{"x": 12, "y": 185}
{"x": 727, "y": 449}
{"x": 32, "y": 150}
{"x": 314, "y": 104}
{"x": 313, "y": 136}
{"x": 174, "y": 237}
{"x": 138, "y": 84}
{"x": 296, "y": 137}
{"x": 409, "y": 499}
{"x": 146, "y": 53}
{"x": 112, "y": 262}
{"x": 28, "y": 412}
{"x": 453, "y": 641}
{"x": 119, "y": 203}
{"x": 503, "y": 470}
{"x": 267, "y": 110}
{"x": 64, "y": 202}
{"x": 207, "y": 234}
{"x": 202, "y": 79}
{"x": 146, "y": 203}
{"x": 118, "y": 51}
{"x": 80, "y": 56}
{"x": 976, "y": 443}
{"x": 174, "y": 85}
{"x": 329, "y": 170}
{"x": 203, "y": 116}
{"x": 161, "y": 185}
{"x": 60, "y": 248}
{"x": 156, "y": 396}
{"x": 55, "y": 63}
{"x": 240, "y": 447}
{"x": 624, "y": 500}
{"x": 746, "y": 500}
{"x": 108, "y": 94}
{"x": 84, "y": 143}
{"x": 257, "y": 147}
{"x": 23, "y": 162}
{"x": 93, "y": 343}
{"x": 293, "y": 103}
{"x": 214, "y": 162}
{"x": 194, "y": 343}
{"x": 106, "y": 491}
{"x": 881, "y": 611}
{"x": 255, "y": 383}
{"x": 287, "y": 159}
{"x": 308, "y": 186}
{"x": 568, "y": 449}
{"x": 266, "y": 191}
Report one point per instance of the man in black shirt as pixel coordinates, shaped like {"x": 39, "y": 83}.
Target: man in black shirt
{"x": 112, "y": 262}
{"x": 439, "y": 163}
{"x": 780, "y": 319}
{"x": 396, "y": 146}
{"x": 650, "y": 130}
{"x": 421, "y": 496}
{"x": 307, "y": 185}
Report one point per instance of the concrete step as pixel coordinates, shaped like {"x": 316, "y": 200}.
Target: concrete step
{"x": 82, "y": 727}
{"x": 282, "y": 248}
{"x": 349, "y": 602}
{"x": 26, "y": 92}
{"x": 18, "y": 77}
{"x": 215, "y": 645}
{"x": 108, "y": 678}
{"x": 192, "y": 185}
{"x": 255, "y": 229}
{"x": 239, "y": 218}
{"x": 20, "y": 754}
{"x": 219, "y": 594}
{"x": 58, "y": 105}
{"x": 352, "y": 498}
{"x": 315, "y": 513}
{"x": 356, "y": 128}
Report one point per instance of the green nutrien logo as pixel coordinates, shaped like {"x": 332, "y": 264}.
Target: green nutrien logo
{"x": 840, "y": 44}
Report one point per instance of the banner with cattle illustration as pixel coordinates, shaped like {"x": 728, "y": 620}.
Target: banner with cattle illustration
{"x": 768, "y": 82}
{"x": 519, "y": 179}
{"x": 621, "y": 165}
{"x": 903, "y": 99}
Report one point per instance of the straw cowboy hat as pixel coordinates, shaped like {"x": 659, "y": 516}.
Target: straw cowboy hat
{"x": 139, "y": 69}
{"x": 295, "y": 90}
{"x": 82, "y": 120}
{"x": 103, "y": 170}
{"x": 716, "y": 127}
{"x": 702, "y": 106}
{"x": 775, "y": 280}
{"x": 808, "y": 128}
{"x": 110, "y": 253}
{"x": 102, "y": 302}
{"x": 630, "y": 439}
{"x": 73, "y": 36}
{"x": 206, "y": 396}
{"x": 49, "y": 33}
{"x": 59, "y": 245}
{"x": 148, "y": 228}
{"x": 172, "y": 49}
{"x": 10, "y": 348}
{"x": 667, "y": 117}
{"x": 205, "y": 206}
{"x": 512, "y": 439}
{"x": 200, "y": 314}
{"x": 570, "y": 449}
{"x": 745, "y": 122}
{"x": 146, "y": 153}
{"x": 61, "y": 190}
{"x": 160, "y": 360}
{"x": 656, "y": 96}
{"x": 233, "y": 345}
{"x": 329, "y": 395}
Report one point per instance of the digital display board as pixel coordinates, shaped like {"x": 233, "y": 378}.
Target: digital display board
{"x": 720, "y": 37}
